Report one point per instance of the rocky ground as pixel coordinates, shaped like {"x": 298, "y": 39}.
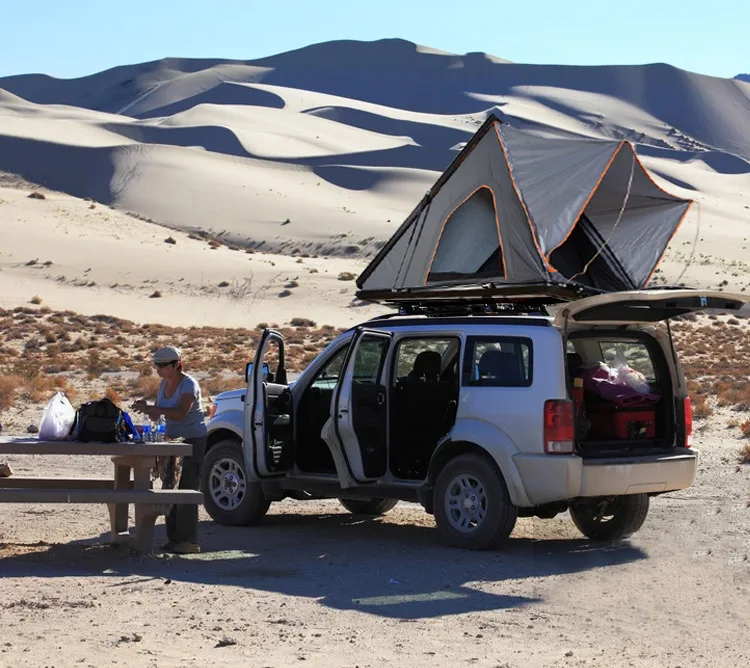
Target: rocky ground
{"x": 315, "y": 586}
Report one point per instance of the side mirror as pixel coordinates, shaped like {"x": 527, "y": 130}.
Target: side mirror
{"x": 249, "y": 371}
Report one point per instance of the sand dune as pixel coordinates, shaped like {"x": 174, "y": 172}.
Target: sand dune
{"x": 325, "y": 149}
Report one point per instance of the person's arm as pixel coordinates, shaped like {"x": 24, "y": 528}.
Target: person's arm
{"x": 177, "y": 413}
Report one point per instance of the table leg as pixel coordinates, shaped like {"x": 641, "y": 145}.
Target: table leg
{"x": 145, "y": 520}
{"x": 118, "y": 512}
{"x": 145, "y": 514}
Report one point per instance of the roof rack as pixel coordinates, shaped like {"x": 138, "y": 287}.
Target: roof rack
{"x": 488, "y": 297}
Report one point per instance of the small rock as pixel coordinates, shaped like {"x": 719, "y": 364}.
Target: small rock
{"x": 32, "y": 429}
{"x": 5, "y": 471}
{"x": 569, "y": 653}
{"x": 226, "y": 641}
{"x": 37, "y": 195}
{"x": 167, "y": 581}
{"x": 170, "y": 240}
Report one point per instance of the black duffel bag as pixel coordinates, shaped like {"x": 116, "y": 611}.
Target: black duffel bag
{"x": 100, "y": 421}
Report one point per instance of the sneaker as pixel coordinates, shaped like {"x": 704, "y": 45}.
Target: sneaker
{"x": 185, "y": 548}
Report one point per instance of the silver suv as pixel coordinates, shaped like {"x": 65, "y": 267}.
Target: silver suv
{"x": 480, "y": 417}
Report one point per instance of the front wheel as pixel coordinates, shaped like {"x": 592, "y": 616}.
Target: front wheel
{"x": 614, "y": 518}
{"x": 371, "y": 507}
{"x": 473, "y": 509}
{"x": 228, "y": 496}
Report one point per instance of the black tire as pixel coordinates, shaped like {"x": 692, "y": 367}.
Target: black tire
{"x": 222, "y": 469}
{"x": 372, "y": 507}
{"x": 499, "y": 517}
{"x": 610, "y": 519}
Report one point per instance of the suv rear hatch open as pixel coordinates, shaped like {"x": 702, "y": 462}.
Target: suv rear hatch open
{"x": 625, "y": 378}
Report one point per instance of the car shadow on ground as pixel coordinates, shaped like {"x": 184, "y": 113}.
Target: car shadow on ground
{"x": 347, "y": 563}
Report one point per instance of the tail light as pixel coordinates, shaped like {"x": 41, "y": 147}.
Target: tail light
{"x": 559, "y": 427}
{"x": 688, "y": 413}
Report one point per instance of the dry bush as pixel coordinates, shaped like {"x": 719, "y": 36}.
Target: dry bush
{"x": 744, "y": 454}
{"x": 113, "y": 395}
{"x": 10, "y": 387}
{"x": 217, "y": 384}
{"x": 346, "y": 276}
{"x": 701, "y": 409}
{"x": 148, "y": 386}
{"x": 302, "y": 322}
{"x": 745, "y": 428}
{"x": 36, "y": 299}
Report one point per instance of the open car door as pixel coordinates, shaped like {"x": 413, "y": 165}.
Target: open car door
{"x": 360, "y": 407}
{"x": 268, "y": 410}
{"x": 645, "y": 306}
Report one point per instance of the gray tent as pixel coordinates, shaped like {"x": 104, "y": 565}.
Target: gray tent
{"x": 520, "y": 214}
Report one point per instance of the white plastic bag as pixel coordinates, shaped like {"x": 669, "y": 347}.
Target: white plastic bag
{"x": 57, "y": 419}
{"x": 626, "y": 375}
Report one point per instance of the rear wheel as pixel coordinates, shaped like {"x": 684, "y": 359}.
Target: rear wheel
{"x": 228, "y": 496}
{"x": 472, "y": 506}
{"x": 613, "y": 518}
{"x": 372, "y": 507}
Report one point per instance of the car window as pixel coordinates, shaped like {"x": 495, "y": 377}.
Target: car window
{"x": 635, "y": 354}
{"x": 369, "y": 358}
{"x": 328, "y": 377}
{"x": 410, "y": 351}
{"x": 498, "y": 362}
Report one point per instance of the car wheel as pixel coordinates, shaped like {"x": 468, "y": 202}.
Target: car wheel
{"x": 368, "y": 506}
{"x": 228, "y": 496}
{"x": 610, "y": 519}
{"x": 472, "y": 506}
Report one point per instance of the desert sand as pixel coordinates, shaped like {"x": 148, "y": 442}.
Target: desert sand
{"x": 324, "y": 151}
{"x": 275, "y": 181}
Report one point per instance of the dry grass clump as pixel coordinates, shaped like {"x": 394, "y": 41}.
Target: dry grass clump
{"x": 36, "y": 299}
{"x": 10, "y": 386}
{"x": 744, "y": 454}
{"x": 347, "y": 276}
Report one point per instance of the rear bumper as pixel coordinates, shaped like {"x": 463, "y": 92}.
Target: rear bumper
{"x": 549, "y": 478}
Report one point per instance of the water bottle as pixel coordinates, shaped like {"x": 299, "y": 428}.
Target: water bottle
{"x": 146, "y": 433}
{"x": 161, "y": 429}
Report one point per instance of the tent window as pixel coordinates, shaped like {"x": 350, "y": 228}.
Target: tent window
{"x": 469, "y": 244}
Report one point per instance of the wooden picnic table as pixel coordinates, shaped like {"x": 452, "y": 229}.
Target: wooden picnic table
{"x": 117, "y": 492}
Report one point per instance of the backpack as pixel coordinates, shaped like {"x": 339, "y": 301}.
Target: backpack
{"x": 101, "y": 421}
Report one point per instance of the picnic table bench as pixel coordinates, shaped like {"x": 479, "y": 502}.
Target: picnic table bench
{"x": 117, "y": 492}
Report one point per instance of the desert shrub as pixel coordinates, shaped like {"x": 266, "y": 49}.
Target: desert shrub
{"x": 36, "y": 299}
{"x": 701, "y": 409}
{"x": 10, "y": 387}
{"x": 346, "y": 276}
{"x": 302, "y": 322}
{"x": 744, "y": 454}
{"x": 148, "y": 386}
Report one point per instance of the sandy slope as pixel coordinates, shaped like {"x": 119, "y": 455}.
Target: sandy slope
{"x": 103, "y": 261}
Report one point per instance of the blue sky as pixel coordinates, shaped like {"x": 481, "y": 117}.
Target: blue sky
{"x": 79, "y": 37}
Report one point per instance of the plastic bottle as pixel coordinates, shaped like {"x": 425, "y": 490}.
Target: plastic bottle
{"x": 161, "y": 429}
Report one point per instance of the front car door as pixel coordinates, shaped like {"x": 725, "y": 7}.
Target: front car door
{"x": 360, "y": 406}
{"x": 268, "y": 410}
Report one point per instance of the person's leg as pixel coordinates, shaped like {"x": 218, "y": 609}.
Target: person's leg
{"x": 186, "y": 516}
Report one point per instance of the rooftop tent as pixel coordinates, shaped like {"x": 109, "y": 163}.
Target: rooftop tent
{"x": 517, "y": 213}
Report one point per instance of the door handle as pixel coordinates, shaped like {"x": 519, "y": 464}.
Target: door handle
{"x": 380, "y": 398}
